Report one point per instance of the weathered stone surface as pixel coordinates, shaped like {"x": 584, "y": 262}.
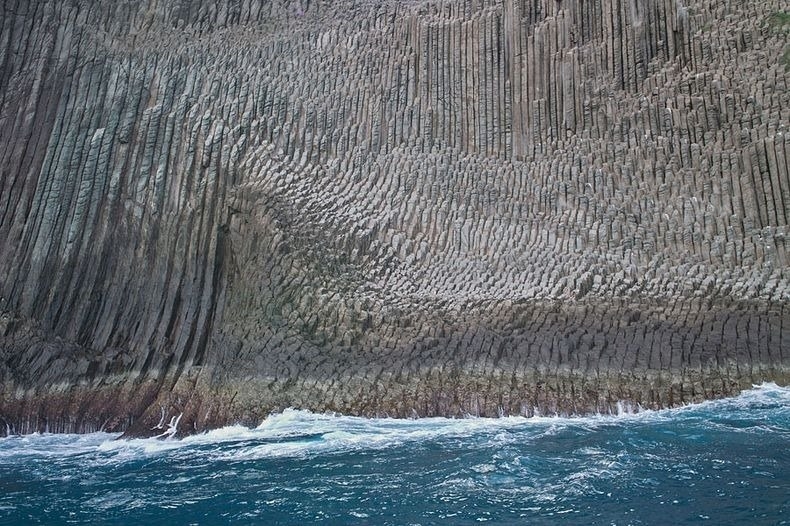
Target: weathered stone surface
{"x": 217, "y": 209}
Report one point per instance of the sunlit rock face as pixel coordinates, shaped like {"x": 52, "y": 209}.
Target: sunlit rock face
{"x": 211, "y": 210}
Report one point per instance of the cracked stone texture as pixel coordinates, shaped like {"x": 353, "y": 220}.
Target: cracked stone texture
{"x": 218, "y": 209}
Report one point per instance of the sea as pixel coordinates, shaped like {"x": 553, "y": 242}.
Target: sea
{"x": 719, "y": 462}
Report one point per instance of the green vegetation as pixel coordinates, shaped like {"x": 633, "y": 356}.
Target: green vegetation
{"x": 779, "y": 20}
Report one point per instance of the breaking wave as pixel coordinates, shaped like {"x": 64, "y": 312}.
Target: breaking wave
{"x": 726, "y": 460}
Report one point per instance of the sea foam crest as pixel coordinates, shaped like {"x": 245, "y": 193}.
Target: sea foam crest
{"x": 295, "y": 433}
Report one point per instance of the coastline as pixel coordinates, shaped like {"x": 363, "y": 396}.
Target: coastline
{"x": 210, "y": 211}
{"x": 515, "y": 370}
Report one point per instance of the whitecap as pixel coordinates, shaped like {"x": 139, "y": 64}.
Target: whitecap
{"x": 295, "y": 432}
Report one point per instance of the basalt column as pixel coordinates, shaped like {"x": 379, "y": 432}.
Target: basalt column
{"x": 211, "y": 210}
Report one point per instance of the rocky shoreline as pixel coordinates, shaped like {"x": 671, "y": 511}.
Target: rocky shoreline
{"x": 606, "y": 360}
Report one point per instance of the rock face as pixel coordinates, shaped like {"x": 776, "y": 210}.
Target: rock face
{"x": 215, "y": 209}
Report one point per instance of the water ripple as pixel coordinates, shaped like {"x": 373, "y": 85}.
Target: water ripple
{"x": 723, "y": 461}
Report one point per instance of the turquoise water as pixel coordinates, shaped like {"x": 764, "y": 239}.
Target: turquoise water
{"x": 722, "y": 462}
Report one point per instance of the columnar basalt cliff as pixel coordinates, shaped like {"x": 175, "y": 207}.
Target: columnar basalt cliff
{"x": 215, "y": 209}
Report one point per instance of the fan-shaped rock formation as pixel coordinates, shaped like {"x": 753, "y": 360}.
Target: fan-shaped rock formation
{"x": 211, "y": 210}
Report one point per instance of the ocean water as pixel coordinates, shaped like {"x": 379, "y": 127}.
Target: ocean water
{"x": 721, "y": 462}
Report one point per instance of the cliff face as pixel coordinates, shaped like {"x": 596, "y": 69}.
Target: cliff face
{"x": 218, "y": 209}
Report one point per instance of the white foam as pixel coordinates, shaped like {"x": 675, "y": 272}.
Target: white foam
{"x": 761, "y": 394}
{"x": 51, "y": 445}
{"x": 298, "y": 433}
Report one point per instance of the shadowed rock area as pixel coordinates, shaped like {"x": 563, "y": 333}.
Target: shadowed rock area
{"x": 211, "y": 210}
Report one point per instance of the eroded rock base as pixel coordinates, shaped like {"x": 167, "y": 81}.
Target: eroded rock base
{"x": 549, "y": 358}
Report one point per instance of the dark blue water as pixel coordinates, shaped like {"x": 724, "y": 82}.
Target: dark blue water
{"x": 723, "y": 462}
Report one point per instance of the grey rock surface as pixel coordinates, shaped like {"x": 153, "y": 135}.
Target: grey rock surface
{"x": 211, "y": 210}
